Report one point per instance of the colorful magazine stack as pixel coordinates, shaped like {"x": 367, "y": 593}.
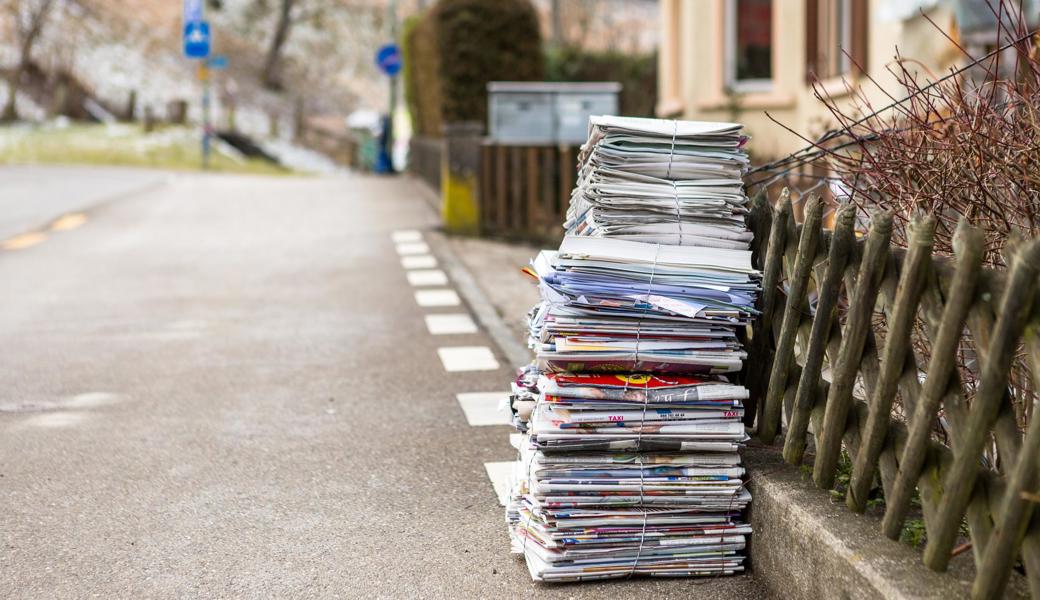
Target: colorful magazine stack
{"x": 628, "y": 463}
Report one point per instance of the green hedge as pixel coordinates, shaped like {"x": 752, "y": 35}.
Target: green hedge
{"x": 422, "y": 81}
{"x": 457, "y": 47}
{"x": 637, "y": 74}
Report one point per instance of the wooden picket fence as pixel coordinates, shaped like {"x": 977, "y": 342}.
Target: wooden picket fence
{"x": 824, "y": 365}
{"x": 525, "y": 190}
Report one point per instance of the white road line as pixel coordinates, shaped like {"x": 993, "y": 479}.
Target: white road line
{"x": 427, "y": 277}
{"x": 406, "y": 235}
{"x": 429, "y": 298}
{"x": 485, "y": 408}
{"x": 515, "y": 439}
{"x": 501, "y": 476}
{"x": 410, "y": 248}
{"x": 419, "y": 261}
{"x": 467, "y": 358}
{"x": 451, "y": 324}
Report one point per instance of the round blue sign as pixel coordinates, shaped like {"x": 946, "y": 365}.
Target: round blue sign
{"x": 388, "y": 59}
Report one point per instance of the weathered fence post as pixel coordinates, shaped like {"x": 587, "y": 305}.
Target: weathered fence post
{"x": 798, "y": 282}
{"x": 839, "y": 397}
{"x": 959, "y": 481}
{"x": 770, "y": 280}
{"x": 908, "y": 294}
{"x": 968, "y": 246}
{"x": 827, "y": 299}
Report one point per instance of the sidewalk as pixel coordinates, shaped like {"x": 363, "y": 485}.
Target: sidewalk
{"x": 496, "y": 266}
{"x": 804, "y": 544}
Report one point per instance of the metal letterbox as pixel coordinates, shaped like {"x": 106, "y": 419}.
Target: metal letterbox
{"x": 546, "y": 113}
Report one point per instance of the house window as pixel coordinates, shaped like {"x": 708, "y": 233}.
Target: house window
{"x": 749, "y": 45}
{"x": 836, "y": 37}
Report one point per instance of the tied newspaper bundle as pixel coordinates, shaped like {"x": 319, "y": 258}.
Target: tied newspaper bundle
{"x": 668, "y": 182}
{"x": 628, "y": 460}
{"x": 614, "y": 304}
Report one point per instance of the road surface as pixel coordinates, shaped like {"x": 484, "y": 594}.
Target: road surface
{"x": 224, "y": 386}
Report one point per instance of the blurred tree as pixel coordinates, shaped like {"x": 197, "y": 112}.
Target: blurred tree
{"x": 28, "y": 18}
{"x": 302, "y": 37}
{"x": 271, "y": 76}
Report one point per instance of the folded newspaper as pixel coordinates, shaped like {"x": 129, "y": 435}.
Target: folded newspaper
{"x": 630, "y": 421}
{"x": 669, "y": 182}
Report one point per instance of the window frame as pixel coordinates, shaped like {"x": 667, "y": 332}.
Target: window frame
{"x": 744, "y": 86}
{"x": 854, "y": 29}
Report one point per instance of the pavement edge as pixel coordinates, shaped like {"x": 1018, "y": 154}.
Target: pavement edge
{"x": 487, "y": 315}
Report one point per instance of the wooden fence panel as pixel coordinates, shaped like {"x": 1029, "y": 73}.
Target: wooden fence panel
{"x": 525, "y": 190}
{"x": 838, "y": 375}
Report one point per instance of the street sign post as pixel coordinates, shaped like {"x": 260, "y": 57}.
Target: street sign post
{"x": 218, "y": 62}
{"x": 192, "y": 11}
{"x": 197, "y": 42}
{"x": 196, "y": 39}
{"x": 388, "y": 59}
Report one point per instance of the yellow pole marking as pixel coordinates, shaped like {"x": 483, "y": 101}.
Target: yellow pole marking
{"x": 69, "y": 222}
{"x": 20, "y": 242}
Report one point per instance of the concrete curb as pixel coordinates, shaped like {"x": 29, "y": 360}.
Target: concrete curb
{"x": 806, "y": 546}
{"x": 516, "y": 353}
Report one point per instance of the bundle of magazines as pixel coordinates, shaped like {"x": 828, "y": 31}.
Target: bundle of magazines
{"x": 631, "y": 427}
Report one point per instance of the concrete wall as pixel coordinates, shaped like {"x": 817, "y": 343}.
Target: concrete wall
{"x": 806, "y": 546}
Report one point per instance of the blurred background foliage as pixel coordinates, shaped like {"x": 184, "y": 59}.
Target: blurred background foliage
{"x": 456, "y": 47}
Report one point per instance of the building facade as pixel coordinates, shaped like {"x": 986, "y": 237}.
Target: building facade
{"x": 736, "y": 60}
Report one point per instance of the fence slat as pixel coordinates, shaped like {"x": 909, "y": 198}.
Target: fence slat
{"x": 798, "y": 282}
{"x": 550, "y": 225}
{"x": 770, "y": 280}
{"x": 567, "y": 174}
{"x": 1031, "y": 555}
{"x": 1015, "y": 510}
{"x": 861, "y": 308}
{"x": 958, "y": 483}
{"x": 484, "y": 197}
{"x": 501, "y": 190}
{"x": 893, "y": 363}
{"x": 533, "y": 175}
{"x": 805, "y": 398}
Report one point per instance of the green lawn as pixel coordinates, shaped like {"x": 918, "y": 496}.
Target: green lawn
{"x": 123, "y": 145}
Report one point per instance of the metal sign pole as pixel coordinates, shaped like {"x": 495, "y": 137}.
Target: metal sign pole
{"x": 207, "y": 127}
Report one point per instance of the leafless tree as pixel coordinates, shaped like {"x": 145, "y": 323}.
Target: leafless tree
{"x": 28, "y": 18}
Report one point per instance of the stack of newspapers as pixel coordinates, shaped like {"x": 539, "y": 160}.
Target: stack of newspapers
{"x": 629, "y": 455}
{"x": 668, "y": 182}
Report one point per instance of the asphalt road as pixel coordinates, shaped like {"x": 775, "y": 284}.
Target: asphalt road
{"x": 224, "y": 387}
{"x": 31, "y": 197}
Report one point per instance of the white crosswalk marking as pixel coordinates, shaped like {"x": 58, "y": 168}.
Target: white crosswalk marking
{"x": 406, "y": 235}
{"x": 501, "y": 476}
{"x": 451, "y": 324}
{"x": 485, "y": 408}
{"x": 429, "y": 298}
{"x": 467, "y": 358}
{"x": 427, "y": 277}
{"x": 409, "y": 248}
{"x": 419, "y": 261}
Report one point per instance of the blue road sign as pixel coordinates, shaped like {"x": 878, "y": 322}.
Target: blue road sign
{"x": 196, "y": 39}
{"x": 192, "y": 11}
{"x": 388, "y": 59}
{"x": 219, "y": 61}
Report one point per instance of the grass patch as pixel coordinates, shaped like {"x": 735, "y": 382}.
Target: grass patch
{"x": 177, "y": 148}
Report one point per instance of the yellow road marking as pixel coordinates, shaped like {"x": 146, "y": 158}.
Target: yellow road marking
{"x": 69, "y": 221}
{"x": 26, "y": 240}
